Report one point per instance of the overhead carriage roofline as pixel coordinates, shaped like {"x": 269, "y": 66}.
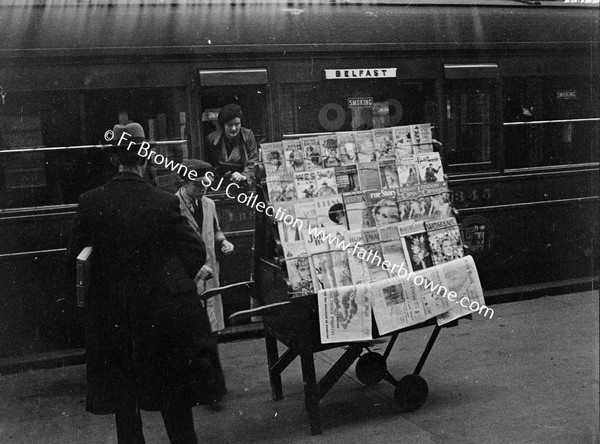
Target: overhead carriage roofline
{"x": 189, "y": 29}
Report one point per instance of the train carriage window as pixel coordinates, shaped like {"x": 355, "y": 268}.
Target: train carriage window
{"x": 550, "y": 121}
{"x": 46, "y": 156}
{"x": 469, "y": 138}
{"x": 329, "y": 106}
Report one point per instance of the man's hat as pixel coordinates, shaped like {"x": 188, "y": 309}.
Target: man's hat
{"x": 199, "y": 166}
{"x": 135, "y": 133}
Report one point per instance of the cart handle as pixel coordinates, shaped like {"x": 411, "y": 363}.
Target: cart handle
{"x": 215, "y": 291}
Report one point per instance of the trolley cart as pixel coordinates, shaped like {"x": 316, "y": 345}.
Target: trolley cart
{"x": 294, "y": 322}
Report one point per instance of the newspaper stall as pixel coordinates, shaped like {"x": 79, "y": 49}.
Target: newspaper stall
{"x": 356, "y": 239}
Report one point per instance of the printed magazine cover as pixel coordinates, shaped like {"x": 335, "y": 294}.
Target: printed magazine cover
{"x": 430, "y": 167}
{"x": 365, "y": 146}
{"x": 312, "y": 153}
{"x": 416, "y": 249}
{"x": 347, "y": 147}
{"x": 273, "y": 158}
{"x": 329, "y": 149}
{"x": 281, "y": 188}
{"x": 444, "y": 240}
{"x": 306, "y": 186}
{"x": 402, "y": 142}
{"x": 330, "y": 211}
{"x": 408, "y": 173}
{"x": 344, "y": 314}
{"x": 341, "y": 268}
{"x": 421, "y": 134}
{"x": 288, "y": 232}
{"x": 439, "y": 199}
{"x": 325, "y": 182}
{"x": 299, "y": 275}
{"x": 388, "y": 173}
{"x": 381, "y": 207}
{"x": 384, "y": 145}
{"x": 354, "y": 204}
{"x": 346, "y": 177}
{"x": 358, "y": 268}
{"x": 368, "y": 176}
{"x": 322, "y": 271}
{"x": 294, "y": 156}
{"x": 393, "y": 252}
{"x": 407, "y": 210}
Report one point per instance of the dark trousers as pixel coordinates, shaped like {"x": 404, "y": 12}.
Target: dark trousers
{"x": 179, "y": 422}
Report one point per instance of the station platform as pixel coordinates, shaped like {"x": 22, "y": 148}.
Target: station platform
{"x": 528, "y": 375}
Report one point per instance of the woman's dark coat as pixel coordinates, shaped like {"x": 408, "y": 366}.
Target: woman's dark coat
{"x": 146, "y": 330}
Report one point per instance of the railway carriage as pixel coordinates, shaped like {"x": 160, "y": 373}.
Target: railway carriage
{"x": 510, "y": 89}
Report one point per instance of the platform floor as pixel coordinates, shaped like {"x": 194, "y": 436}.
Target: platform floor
{"x": 529, "y": 375}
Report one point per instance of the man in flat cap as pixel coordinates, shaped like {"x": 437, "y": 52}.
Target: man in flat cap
{"x": 147, "y": 334}
{"x": 232, "y": 148}
{"x": 201, "y": 215}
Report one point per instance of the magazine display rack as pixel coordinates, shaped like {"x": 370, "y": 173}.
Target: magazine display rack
{"x": 292, "y": 303}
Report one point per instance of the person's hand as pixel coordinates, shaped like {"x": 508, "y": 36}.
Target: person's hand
{"x": 238, "y": 177}
{"x": 205, "y": 273}
{"x": 226, "y": 247}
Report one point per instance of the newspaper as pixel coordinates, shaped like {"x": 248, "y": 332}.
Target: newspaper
{"x": 345, "y": 314}
{"x": 460, "y": 276}
{"x": 398, "y": 303}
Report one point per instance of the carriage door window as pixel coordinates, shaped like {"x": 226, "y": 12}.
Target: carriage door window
{"x": 246, "y": 87}
{"x": 472, "y": 119}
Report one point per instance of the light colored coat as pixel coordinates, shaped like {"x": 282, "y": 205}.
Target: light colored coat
{"x": 212, "y": 236}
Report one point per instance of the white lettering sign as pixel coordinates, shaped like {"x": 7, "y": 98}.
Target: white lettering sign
{"x": 360, "y": 101}
{"x": 365, "y": 73}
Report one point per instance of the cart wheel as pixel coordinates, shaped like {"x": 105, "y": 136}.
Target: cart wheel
{"x": 411, "y": 393}
{"x": 371, "y": 368}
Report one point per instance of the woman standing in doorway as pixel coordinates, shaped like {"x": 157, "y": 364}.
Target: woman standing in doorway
{"x": 232, "y": 149}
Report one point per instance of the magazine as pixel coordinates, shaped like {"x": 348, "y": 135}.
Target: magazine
{"x": 402, "y": 142}
{"x": 393, "y": 252}
{"x": 344, "y": 314}
{"x": 409, "y": 207}
{"x": 388, "y": 173}
{"x": 341, "y": 268}
{"x": 354, "y": 204}
{"x": 444, "y": 240}
{"x": 294, "y": 156}
{"x": 322, "y": 271}
{"x": 330, "y": 211}
{"x": 358, "y": 268}
{"x": 299, "y": 274}
{"x": 416, "y": 248}
{"x": 420, "y": 134}
{"x": 287, "y": 232}
{"x": 347, "y": 147}
{"x": 346, "y": 178}
{"x": 365, "y": 146}
{"x": 388, "y": 233}
{"x": 430, "y": 167}
{"x": 281, "y": 188}
{"x": 384, "y": 145}
{"x": 408, "y": 173}
{"x": 439, "y": 199}
{"x": 381, "y": 207}
{"x": 368, "y": 176}
{"x": 306, "y": 184}
{"x": 273, "y": 158}
{"x": 325, "y": 182}
{"x": 329, "y": 149}
{"x": 312, "y": 153}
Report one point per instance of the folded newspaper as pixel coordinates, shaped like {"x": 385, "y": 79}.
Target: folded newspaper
{"x": 397, "y": 303}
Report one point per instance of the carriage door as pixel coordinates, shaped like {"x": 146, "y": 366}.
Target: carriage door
{"x": 246, "y": 87}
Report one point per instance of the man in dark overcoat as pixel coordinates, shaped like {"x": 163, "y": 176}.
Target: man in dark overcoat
{"x": 148, "y": 340}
